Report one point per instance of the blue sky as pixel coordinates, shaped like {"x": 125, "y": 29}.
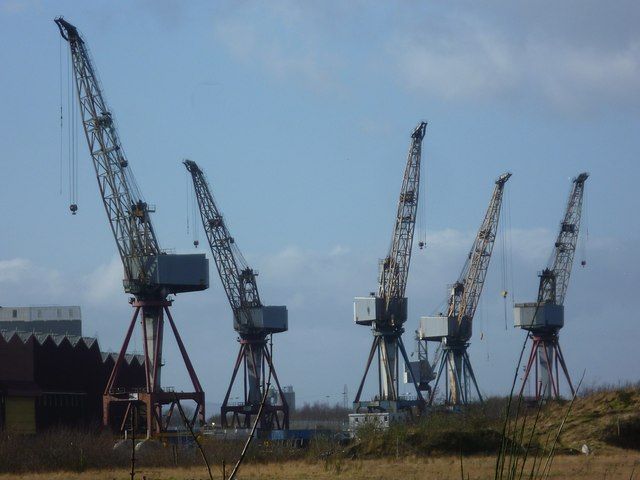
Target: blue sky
{"x": 300, "y": 113}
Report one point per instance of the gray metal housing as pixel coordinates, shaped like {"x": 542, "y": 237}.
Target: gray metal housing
{"x": 268, "y": 319}
{"x": 548, "y": 316}
{"x": 175, "y": 272}
{"x": 440, "y": 326}
{"x": 367, "y": 310}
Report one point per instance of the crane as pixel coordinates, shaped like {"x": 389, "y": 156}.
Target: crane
{"x": 544, "y": 318}
{"x": 453, "y": 330}
{"x": 253, "y": 321}
{"x": 150, "y": 274}
{"x": 386, "y": 311}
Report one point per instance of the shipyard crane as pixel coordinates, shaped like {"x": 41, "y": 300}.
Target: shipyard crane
{"x": 150, "y": 274}
{"x": 386, "y": 311}
{"x": 253, "y": 321}
{"x": 544, "y": 318}
{"x": 453, "y": 330}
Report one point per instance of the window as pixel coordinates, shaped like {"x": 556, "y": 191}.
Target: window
{"x": 39, "y": 313}
{"x": 59, "y": 313}
{"x": 70, "y": 313}
{"x": 14, "y": 314}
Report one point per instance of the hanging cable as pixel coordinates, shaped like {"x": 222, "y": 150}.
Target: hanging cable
{"x": 503, "y": 263}
{"x": 72, "y": 125}
{"x": 584, "y": 234}
{"x": 422, "y": 210}
{"x": 510, "y": 247}
{"x": 61, "y": 166}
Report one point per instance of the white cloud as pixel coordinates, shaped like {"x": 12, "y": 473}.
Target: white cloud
{"x": 286, "y": 49}
{"x": 20, "y": 278}
{"x": 473, "y": 58}
{"x": 18, "y": 6}
{"x": 104, "y": 284}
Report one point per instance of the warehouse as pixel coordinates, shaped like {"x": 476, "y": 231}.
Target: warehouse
{"x": 58, "y": 319}
{"x": 49, "y": 380}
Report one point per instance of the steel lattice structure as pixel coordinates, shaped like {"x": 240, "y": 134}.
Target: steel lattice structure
{"x": 463, "y": 301}
{"x": 555, "y": 278}
{"x": 147, "y": 270}
{"x": 390, "y": 305}
{"x": 250, "y": 317}
{"x": 544, "y": 318}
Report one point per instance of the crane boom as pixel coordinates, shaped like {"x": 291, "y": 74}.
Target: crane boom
{"x": 395, "y": 267}
{"x": 554, "y": 279}
{"x": 127, "y": 212}
{"x": 238, "y": 279}
{"x": 465, "y": 293}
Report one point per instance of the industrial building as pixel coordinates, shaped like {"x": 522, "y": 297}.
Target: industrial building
{"x": 49, "y": 380}
{"x": 59, "y": 320}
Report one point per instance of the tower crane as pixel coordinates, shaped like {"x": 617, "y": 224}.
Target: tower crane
{"x": 150, "y": 274}
{"x": 386, "y": 311}
{"x": 253, "y": 321}
{"x": 544, "y": 318}
{"x": 453, "y": 330}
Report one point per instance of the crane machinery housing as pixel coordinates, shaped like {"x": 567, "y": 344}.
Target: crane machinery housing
{"x": 453, "y": 330}
{"x": 253, "y": 321}
{"x": 386, "y": 312}
{"x": 544, "y": 318}
{"x": 150, "y": 274}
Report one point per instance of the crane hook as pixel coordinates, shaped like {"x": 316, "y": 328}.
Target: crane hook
{"x": 74, "y": 208}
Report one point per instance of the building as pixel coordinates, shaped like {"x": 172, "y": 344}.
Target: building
{"x": 290, "y": 397}
{"x": 59, "y": 320}
{"x": 51, "y": 380}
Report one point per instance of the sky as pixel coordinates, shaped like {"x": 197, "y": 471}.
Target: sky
{"x": 300, "y": 113}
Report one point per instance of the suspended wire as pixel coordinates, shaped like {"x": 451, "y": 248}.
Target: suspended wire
{"x": 188, "y": 190}
{"x": 584, "y": 234}
{"x": 72, "y": 137}
{"x": 510, "y": 246}
{"x": 422, "y": 208}
{"x": 195, "y": 210}
{"x": 503, "y": 262}
{"x": 61, "y": 166}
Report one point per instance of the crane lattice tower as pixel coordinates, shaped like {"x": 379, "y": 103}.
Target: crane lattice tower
{"x": 150, "y": 274}
{"x": 386, "y": 312}
{"x": 253, "y": 321}
{"x": 544, "y": 318}
{"x": 453, "y": 330}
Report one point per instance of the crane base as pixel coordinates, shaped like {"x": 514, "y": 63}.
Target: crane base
{"x": 143, "y": 407}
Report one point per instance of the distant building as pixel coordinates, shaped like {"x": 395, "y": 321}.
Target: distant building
{"x": 56, "y": 380}
{"x": 59, "y": 320}
{"x": 290, "y": 397}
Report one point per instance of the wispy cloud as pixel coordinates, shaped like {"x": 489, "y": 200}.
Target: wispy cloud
{"x": 472, "y": 56}
{"x": 285, "y": 46}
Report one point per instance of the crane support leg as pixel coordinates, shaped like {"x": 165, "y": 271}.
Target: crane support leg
{"x": 119, "y": 398}
{"x": 460, "y": 381}
{"x": 275, "y": 414}
{"x": 544, "y": 358}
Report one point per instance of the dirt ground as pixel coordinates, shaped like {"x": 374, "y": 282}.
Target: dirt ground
{"x": 615, "y": 466}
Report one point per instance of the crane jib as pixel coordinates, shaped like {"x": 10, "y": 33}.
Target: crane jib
{"x": 148, "y": 271}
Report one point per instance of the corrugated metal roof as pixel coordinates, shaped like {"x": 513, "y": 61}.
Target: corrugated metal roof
{"x": 73, "y": 340}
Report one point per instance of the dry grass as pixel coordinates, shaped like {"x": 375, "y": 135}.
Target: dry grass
{"x": 614, "y": 466}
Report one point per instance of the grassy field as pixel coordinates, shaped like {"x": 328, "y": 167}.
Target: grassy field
{"x": 607, "y": 421}
{"x": 610, "y": 466}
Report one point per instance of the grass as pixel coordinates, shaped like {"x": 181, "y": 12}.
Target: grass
{"x": 608, "y": 421}
{"x": 612, "y": 466}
